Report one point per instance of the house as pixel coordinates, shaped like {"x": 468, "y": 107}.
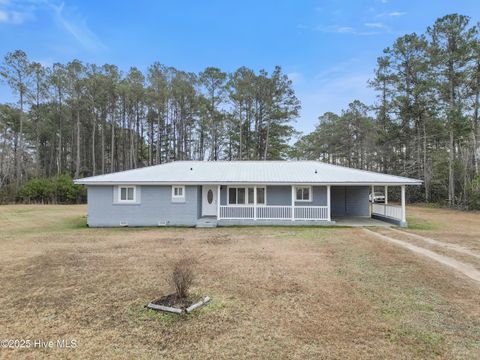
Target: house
{"x": 211, "y": 193}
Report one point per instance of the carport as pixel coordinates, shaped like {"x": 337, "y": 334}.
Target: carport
{"x": 350, "y": 205}
{"x": 350, "y": 201}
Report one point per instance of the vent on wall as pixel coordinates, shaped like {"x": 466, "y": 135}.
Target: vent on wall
{"x": 124, "y": 223}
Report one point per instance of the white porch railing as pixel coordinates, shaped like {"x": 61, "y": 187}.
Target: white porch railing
{"x": 237, "y": 212}
{"x": 390, "y": 211}
{"x": 272, "y": 212}
{"x": 311, "y": 212}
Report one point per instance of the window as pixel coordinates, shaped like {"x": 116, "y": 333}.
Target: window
{"x": 232, "y": 195}
{"x": 241, "y": 196}
{"x": 245, "y": 195}
{"x": 303, "y": 193}
{"x": 126, "y": 194}
{"x": 261, "y": 195}
{"x": 251, "y": 197}
{"x": 178, "y": 193}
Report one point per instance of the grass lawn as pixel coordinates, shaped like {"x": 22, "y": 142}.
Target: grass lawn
{"x": 297, "y": 293}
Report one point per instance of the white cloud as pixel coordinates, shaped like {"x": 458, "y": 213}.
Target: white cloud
{"x": 20, "y": 17}
{"x": 336, "y": 70}
{"x": 333, "y": 95}
{"x": 67, "y": 17}
{"x": 344, "y": 30}
{"x": 376, "y": 25}
{"x": 392, "y": 14}
{"x": 76, "y": 25}
{"x": 16, "y": 12}
{"x": 295, "y": 77}
{"x": 14, "y": 17}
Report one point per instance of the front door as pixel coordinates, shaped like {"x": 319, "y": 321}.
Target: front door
{"x": 209, "y": 201}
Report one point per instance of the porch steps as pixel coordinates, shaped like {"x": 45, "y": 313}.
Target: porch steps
{"x": 207, "y": 222}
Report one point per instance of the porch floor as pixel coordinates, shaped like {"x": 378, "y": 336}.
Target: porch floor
{"x": 360, "y": 221}
{"x": 212, "y": 222}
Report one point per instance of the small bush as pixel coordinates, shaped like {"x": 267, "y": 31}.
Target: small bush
{"x": 183, "y": 276}
{"x": 38, "y": 191}
{"x": 474, "y": 194}
{"x": 59, "y": 189}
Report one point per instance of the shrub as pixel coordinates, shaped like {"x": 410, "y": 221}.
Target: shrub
{"x": 474, "y": 194}
{"x": 59, "y": 189}
{"x": 66, "y": 191}
{"x": 7, "y": 193}
{"x": 38, "y": 191}
{"x": 183, "y": 276}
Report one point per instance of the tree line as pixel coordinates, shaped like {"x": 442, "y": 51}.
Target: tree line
{"x": 425, "y": 122}
{"x": 84, "y": 119}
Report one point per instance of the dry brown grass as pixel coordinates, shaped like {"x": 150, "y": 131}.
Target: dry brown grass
{"x": 448, "y": 225}
{"x": 297, "y": 293}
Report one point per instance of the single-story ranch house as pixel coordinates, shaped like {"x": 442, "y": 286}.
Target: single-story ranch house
{"x": 211, "y": 193}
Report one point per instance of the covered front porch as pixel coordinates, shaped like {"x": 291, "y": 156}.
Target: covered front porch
{"x": 296, "y": 205}
{"x": 391, "y": 213}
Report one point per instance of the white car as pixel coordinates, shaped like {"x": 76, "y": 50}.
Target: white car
{"x": 377, "y": 197}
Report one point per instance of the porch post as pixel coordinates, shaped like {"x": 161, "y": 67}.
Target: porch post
{"x": 255, "y": 202}
{"x": 218, "y": 201}
{"x": 329, "y": 215}
{"x": 371, "y": 199}
{"x": 404, "y": 217}
{"x": 293, "y": 203}
{"x": 386, "y": 194}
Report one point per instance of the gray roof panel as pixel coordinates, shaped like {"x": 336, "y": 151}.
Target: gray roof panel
{"x": 252, "y": 172}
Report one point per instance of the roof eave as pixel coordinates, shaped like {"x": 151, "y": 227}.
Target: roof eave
{"x": 345, "y": 183}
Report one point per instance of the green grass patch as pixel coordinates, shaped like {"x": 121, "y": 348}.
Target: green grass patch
{"x": 77, "y": 222}
{"x": 142, "y": 314}
{"x": 213, "y": 305}
{"x": 415, "y": 223}
{"x": 23, "y": 210}
{"x": 434, "y": 205}
{"x": 426, "y": 344}
{"x": 61, "y": 225}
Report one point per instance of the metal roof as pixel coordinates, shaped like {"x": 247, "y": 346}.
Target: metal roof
{"x": 247, "y": 172}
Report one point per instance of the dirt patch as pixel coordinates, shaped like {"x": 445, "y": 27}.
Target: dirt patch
{"x": 454, "y": 247}
{"x": 173, "y": 301}
{"x": 217, "y": 240}
{"x": 464, "y": 268}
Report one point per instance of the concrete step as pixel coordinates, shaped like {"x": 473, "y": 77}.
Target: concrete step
{"x": 206, "y": 223}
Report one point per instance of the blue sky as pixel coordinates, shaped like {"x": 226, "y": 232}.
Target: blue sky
{"x": 328, "y": 48}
